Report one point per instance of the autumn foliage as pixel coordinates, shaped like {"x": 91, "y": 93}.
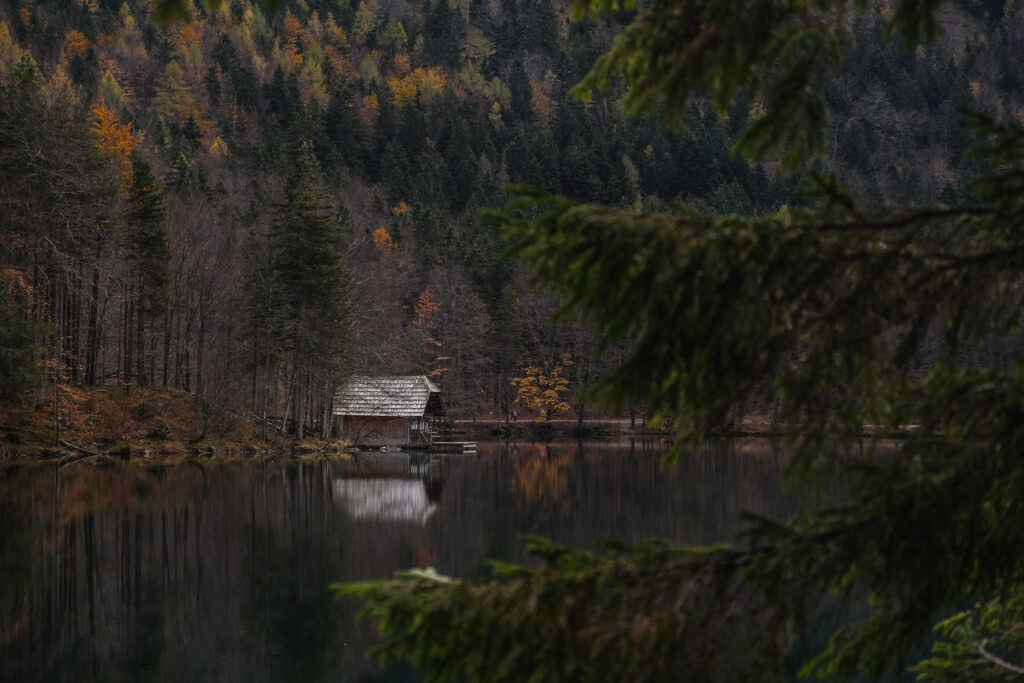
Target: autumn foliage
{"x": 542, "y": 391}
{"x": 114, "y": 139}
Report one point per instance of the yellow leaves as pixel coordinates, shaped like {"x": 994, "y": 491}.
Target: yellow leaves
{"x": 975, "y": 88}
{"x": 371, "y": 109}
{"x": 431, "y": 81}
{"x": 425, "y": 83}
{"x": 218, "y": 147}
{"x": 10, "y": 53}
{"x": 402, "y": 90}
{"x": 382, "y": 240}
{"x": 495, "y": 115}
{"x": 541, "y": 391}
{"x": 114, "y": 139}
{"x": 75, "y": 43}
{"x": 543, "y": 477}
{"x": 402, "y": 209}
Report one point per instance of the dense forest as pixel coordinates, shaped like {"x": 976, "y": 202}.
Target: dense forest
{"x": 252, "y": 205}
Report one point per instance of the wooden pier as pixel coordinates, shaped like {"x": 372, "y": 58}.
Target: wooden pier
{"x": 454, "y": 447}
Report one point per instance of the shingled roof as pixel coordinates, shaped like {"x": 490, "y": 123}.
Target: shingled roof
{"x": 406, "y": 396}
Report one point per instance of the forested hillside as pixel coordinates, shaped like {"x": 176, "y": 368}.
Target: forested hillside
{"x": 252, "y": 204}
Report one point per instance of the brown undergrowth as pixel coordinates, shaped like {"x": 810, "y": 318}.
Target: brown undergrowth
{"x": 129, "y": 422}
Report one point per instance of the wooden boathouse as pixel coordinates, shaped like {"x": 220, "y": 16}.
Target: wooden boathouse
{"x": 389, "y": 411}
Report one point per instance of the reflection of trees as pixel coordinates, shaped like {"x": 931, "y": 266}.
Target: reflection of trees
{"x": 542, "y": 478}
{"x": 141, "y": 582}
{"x": 181, "y": 574}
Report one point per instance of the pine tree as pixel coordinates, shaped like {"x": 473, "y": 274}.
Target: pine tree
{"x": 301, "y": 294}
{"x": 834, "y": 307}
{"x": 148, "y": 252}
{"x": 20, "y": 353}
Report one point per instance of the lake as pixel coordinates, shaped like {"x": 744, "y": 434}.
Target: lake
{"x": 220, "y": 572}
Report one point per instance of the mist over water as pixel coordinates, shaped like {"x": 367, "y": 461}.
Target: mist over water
{"x": 221, "y": 572}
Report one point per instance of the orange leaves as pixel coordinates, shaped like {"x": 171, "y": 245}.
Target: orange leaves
{"x": 423, "y": 82}
{"x": 382, "y": 240}
{"x": 401, "y": 64}
{"x": 14, "y": 280}
{"x": 291, "y": 30}
{"x": 292, "y": 27}
{"x": 425, "y": 307}
{"x": 370, "y": 102}
{"x": 114, "y": 139}
{"x": 294, "y": 56}
{"x": 191, "y": 35}
{"x": 75, "y": 43}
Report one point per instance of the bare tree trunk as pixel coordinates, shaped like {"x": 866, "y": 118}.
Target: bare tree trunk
{"x": 299, "y": 396}
{"x": 266, "y": 388}
{"x": 288, "y": 397}
{"x": 167, "y": 342}
{"x": 94, "y": 328}
{"x": 56, "y": 388}
{"x": 140, "y": 341}
{"x": 200, "y": 344}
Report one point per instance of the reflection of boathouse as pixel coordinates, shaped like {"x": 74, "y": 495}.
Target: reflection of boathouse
{"x": 389, "y": 411}
{"x": 387, "y": 500}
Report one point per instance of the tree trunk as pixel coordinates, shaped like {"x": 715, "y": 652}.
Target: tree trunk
{"x": 94, "y": 324}
{"x": 167, "y": 342}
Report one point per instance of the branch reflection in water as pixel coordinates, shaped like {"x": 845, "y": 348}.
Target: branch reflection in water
{"x": 221, "y": 572}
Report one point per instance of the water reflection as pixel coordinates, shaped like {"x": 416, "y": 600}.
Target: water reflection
{"x": 392, "y": 500}
{"x": 221, "y": 572}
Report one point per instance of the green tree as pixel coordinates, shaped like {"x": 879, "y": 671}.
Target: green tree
{"x": 112, "y": 93}
{"x": 148, "y": 254}
{"x": 173, "y": 102}
{"x": 853, "y": 316}
{"x": 59, "y": 201}
{"x": 20, "y": 353}
{"x": 298, "y": 287}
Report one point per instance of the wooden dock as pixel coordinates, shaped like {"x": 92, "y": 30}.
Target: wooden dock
{"x": 454, "y": 447}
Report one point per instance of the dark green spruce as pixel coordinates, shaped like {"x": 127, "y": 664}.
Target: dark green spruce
{"x": 860, "y": 323}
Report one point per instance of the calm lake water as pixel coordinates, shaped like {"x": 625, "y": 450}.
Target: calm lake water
{"x": 221, "y": 572}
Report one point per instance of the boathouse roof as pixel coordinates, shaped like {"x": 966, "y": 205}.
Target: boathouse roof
{"x": 402, "y": 396}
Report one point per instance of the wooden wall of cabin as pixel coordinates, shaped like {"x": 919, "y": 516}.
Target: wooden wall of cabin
{"x": 376, "y": 431}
